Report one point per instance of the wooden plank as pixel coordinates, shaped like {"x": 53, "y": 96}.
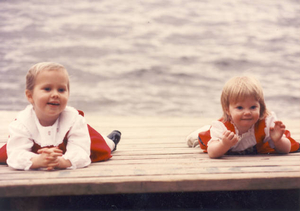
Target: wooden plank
{"x": 138, "y": 171}
{"x": 165, "y": 183}
{"x": 154, "y": 157}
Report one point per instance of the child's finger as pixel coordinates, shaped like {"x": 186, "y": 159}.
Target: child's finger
{"x": 278, "y": 126}
{"x": 56, "y": 150}
{"x": 52, "y": 165}
{"x": 50, "y": 168}
{"x": 46, "y": 152}
{"x": 53, "y": 158}
{"x": 227, "y": 133}
{"x": 56, "y": 154}
{"x": 279, "y": 123}
{"x": 40, "y": 151}
{"x": 231, "y": 135}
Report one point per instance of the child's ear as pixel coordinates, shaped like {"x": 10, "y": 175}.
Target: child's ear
{"x": 227, "y": 111}
{"x": 28, "y": 94}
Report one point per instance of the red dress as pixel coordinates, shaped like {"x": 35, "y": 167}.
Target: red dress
{"x": 259, "y": 130}
{"x": 100, "y": 151}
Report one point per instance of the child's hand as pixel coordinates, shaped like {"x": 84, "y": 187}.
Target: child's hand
{"x": 229, "y": 138}
{"x": 55, "y": 159}
{"x": 277, "y": 131}
{"x": 53, "y": 155}
{"x": 282, "y": 144}
{"x": 48, "y": 158}
{"x": 217, "y": 149}
{"x": 63, "y": 163}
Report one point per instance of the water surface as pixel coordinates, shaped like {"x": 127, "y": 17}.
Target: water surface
{"x": 151, "y": 57}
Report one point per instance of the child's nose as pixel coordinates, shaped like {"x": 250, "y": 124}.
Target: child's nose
{"x": 54, "y": 93}
{"x": 247, "y": 112}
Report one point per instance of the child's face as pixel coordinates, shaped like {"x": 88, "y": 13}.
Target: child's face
{"x": 244, "y": 113}
{"x": 49, "y": 96}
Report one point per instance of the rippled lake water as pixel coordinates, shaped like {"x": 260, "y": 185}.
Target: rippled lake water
{"x": 151, "y": 57}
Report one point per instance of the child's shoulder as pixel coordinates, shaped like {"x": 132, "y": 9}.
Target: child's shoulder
{"x": 271, "y": 117}
{"x": 71, "y": 110}
{"x": 70, "y": 115}
{"x": 267, "y": 121}
{"x": 25, "y": 114}
{"x": 70, "y": 118}
{"x": 24, "y": 120}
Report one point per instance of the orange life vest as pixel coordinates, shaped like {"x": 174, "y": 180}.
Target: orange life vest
{"x": 259, "y": 131}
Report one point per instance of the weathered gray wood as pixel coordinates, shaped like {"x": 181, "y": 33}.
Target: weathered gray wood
{"x": 154, "y": 157}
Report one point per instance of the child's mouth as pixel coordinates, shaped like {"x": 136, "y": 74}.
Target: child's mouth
{"x": 54, "y": 104}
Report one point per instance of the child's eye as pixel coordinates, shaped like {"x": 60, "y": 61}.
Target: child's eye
{"x": 253, "y": 107}
{"x": 47, "y": 89}
{"x": 61, "y": 90}
{"x": 239, "y": 107}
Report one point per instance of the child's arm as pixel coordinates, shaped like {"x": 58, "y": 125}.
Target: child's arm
{"x": 79, "y": 145}
{"x": 19, "y": 147}
{"x": 282, "y": 144}
{"x": 217, "y": 149}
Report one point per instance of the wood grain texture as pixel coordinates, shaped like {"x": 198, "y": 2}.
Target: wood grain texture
{"x": 153, "y": 157}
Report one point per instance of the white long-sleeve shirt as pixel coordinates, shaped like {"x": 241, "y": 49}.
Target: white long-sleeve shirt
{"x": 26, "y": 130}
{"x": 246, "y": 140}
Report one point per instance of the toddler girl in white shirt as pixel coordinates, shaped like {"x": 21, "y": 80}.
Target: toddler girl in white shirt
{"x": 48, "y": 133}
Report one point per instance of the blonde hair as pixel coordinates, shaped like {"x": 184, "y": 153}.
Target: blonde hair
{"x": 239, "y": 88}
{"x": 39, "y": 67}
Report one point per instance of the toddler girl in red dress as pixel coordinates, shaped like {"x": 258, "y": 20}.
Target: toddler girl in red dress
{"x": 48, "y": 133}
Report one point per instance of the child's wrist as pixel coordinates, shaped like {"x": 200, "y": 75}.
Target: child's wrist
{"x": 225, "y": 144}
{"x": 36, "y": 162}
{"x": 63, "y": 163}
{"x": 277, "y": 140}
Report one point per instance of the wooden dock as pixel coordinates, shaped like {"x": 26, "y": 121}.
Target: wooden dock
{"x": 153, "y": 157}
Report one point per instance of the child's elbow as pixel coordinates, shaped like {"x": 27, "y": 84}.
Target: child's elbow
{"x": 284, "y": 151}
{"x": 213, "y": 155}
{"x": 284, "y": 148}
{"x": 215, "y": 150}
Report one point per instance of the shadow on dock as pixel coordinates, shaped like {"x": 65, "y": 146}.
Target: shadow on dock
{"x": 229, "y": 200}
